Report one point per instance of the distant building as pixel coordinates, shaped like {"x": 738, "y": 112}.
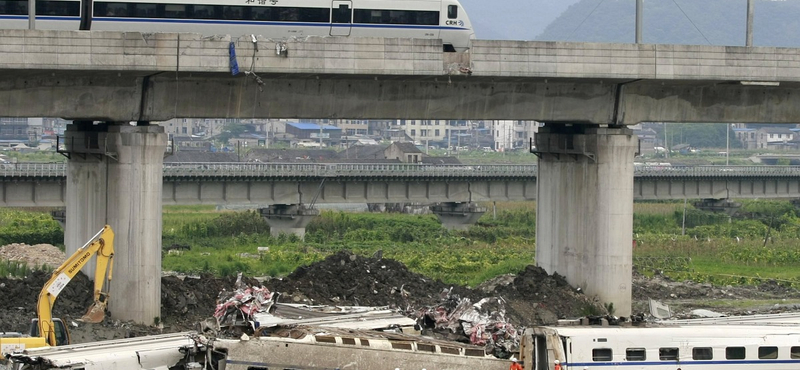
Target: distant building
{"x": 647, "y": 139}
{"x": 404, "y": 152}
{"x": 191, "y": 144}
{"x": 370, "y": 152}
{"x": 746, "y": 136}
{"x": 775, "y": 138}
{"x": 314, "y": 132}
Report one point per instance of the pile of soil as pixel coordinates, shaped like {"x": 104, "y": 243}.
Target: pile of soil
{"x": 529, "y": 298}
{"x": 20, "y": 296}
{"x": 532, "y": 297}
{"x": 33, "y": 255}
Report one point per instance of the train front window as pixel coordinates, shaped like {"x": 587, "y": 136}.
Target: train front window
{"x": 452, "y": 11}
{"x": 668, "y": 354}
{"x": 734, "y": 353}
{"x": 767, "y": 353}
{"x": 702, "y": 353}
{"x": 635, "y": 354}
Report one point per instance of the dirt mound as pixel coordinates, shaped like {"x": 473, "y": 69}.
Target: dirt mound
{"x": 185, "y": 301}
{"x": 349, "y": 279}
{"x": 33, "y": 255}
{"x": 529, "y": 298}
{"x": 533, "y": 296}
{"x": 18, "y": 305}
{"x": 537, "y": 298}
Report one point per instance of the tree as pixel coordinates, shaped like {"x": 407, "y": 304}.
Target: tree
{"x": 231, "y": 130}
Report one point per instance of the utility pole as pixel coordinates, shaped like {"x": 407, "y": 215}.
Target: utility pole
{"x": 750, "y": 11}
{"x": 666, "y": 145}
{"x": 639, "y": 17}
{"x": 727, "y": 143}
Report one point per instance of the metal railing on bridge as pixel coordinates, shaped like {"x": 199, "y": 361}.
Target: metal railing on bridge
{"x": 251, "y": 169}
{"x": 399, "y": 170}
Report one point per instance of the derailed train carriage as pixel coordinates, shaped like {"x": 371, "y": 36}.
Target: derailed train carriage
{"x": 684, "y": 347}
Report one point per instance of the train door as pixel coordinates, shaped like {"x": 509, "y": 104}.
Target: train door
{"x": 341, "y": 17}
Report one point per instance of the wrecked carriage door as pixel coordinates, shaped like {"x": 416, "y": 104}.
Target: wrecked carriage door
{"x": 341, "y": 17}
{"x": 539, "y": 347}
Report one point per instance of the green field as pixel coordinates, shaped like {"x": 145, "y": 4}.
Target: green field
{"x": 700, "y": 246}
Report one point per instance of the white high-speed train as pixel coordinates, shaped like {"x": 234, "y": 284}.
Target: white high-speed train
{"x": 427, "y": 19}
{"x": 684, "y": 347}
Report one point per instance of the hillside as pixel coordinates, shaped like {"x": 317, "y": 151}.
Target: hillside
{"x": 715, "y": 22}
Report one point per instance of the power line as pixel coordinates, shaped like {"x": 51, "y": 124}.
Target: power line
{"x": 587, "y": 17}
{"x": 690, "y": 21}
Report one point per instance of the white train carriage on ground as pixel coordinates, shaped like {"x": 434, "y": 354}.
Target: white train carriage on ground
{"x": 683, "y": 347}
{"x": 280, "y": 19}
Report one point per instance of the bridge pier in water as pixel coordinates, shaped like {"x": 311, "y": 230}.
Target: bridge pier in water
{"x": 584, "y": 219}
{"x": 458, "y": 216}
{"x": 114, "y": 177}
{"x": 288, "y": 218}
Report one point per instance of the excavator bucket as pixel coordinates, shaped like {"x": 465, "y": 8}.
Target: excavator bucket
{"x": 96, "y": 313}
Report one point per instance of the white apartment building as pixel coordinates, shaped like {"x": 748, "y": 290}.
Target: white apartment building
{"x": 510, "y": 135}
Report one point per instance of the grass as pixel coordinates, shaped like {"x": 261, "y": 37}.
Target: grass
{"x": 226, "y": 242}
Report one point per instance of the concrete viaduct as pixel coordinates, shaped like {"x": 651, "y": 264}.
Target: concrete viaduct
{"x": 584, "y": 93}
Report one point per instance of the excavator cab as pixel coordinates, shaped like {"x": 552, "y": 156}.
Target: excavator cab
{"x": 62, "y": 333}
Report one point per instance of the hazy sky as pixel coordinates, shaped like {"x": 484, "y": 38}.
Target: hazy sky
{"x": 513, "y": 19}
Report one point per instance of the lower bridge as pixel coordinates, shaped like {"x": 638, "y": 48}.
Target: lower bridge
{"x": 264, "y": 184}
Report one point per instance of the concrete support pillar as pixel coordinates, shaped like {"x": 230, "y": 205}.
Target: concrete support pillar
{"x": 458, "y": 216}
{"x": 718, "y": 206}
{"x": 288, "y": 218}
{"x": 86, "y": 194}
{"x": 584, "y": 221}
{"x": 115, "y": 178}
{"x": 60, "y": 216}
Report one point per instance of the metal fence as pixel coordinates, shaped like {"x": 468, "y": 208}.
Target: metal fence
{"x": 396, "y": 170}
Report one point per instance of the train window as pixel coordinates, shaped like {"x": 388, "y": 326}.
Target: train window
{"x": 702, "y": 353}
{"x": 452, "y": 11}
{"x": 374, "y": 16}
{"x": 14, "y": 7}
{"x": 205, "y": 12}
{"x": 145, "y": 10}
{"x": 767, "y": 353}
{"x": 233, "y": 12}
{"x": 63, "y": 8}
{"x": 635, "y": 354}
{"x": 261, "y": 13}
{"x": 734, "y": 353}
{"x": 315, "y": 15}
{"x": 175, "y": 11}
{"x": 601, "y": 354}
{"x": 667, "y": 354}
{"x": 102, "y": 9}
{"x": 342, "y": 14}
{"x": 795, "y": 353}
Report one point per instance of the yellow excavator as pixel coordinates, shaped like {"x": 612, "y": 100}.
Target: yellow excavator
{"x": 49, "y": 331}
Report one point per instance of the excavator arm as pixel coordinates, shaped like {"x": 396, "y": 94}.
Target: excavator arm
{"x": 101, "y": 245}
